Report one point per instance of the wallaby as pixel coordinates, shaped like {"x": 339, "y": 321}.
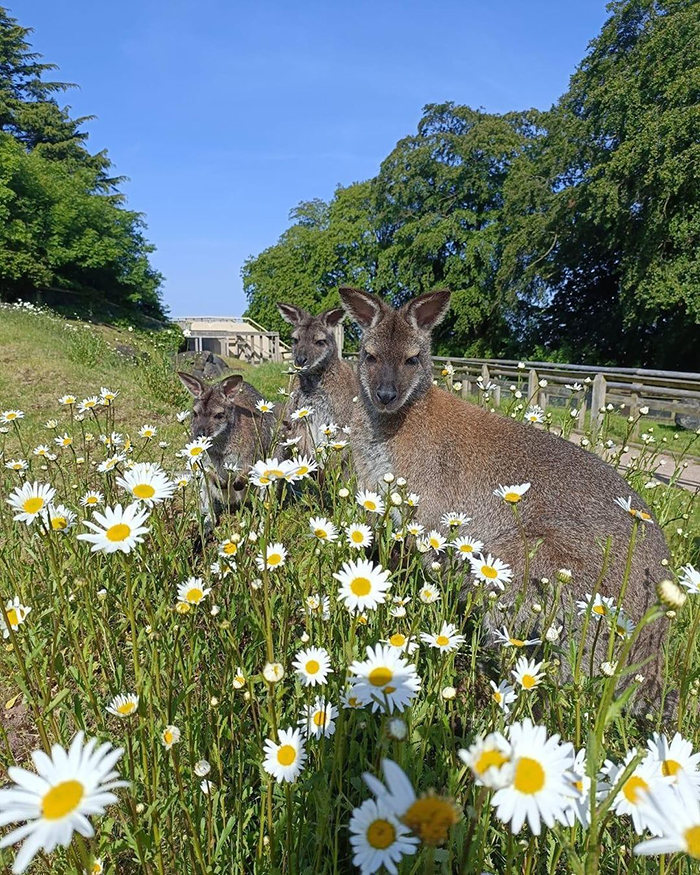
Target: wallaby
{"x": 226, "y": 413}
{"x": 455, "y": 454}
{"x": 326, "y": 382}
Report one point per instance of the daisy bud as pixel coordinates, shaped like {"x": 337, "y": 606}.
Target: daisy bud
{"x": 493, "y": 595}
{"x": 563, "y": 575}
{"x": 214, "y": 610}
{"x": 304, "y": 638}
{"x": 670, "y": 615}
{"x": 537, "y": 608}
{"x": 639, "y": 678}
{"x": 544, "y": 581}
{"x": 202, "y": 768}
{"x": 396, "y": 499}
{"x": 664, "y": 562}
{"x": 225, "y": 624}
{"x": 253, "y": 536}
{"x": 435, "y": 566}
{"x": 273, "y": 672}
{"x": 101, "y": 593}
{"x": 343, "y": 493}
{"x": 644, "y": 410}
{"x": 140, "y": 807}
{"x": 608, "y": 668}
{"x": 543, "y": 384}
{"x": 388, "y": 477}
{"x": 213, "y": 702}
{"x": 448, "y": 693}
{"x": 397, "y": 729}
{"x": 670, "y": 594}
{"x": 400, "y": 481}
{"x": 246, "y": 695}
{"x": 552, "y": 634}
{"x": 457, "y": 386}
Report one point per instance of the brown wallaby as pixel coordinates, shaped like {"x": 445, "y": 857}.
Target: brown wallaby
{"x": 326, "y": 383}
{"x": 455, "y": 454}
{"x": 226, "y": 413}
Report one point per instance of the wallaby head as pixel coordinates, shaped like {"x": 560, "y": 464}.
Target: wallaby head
{"x": 313, "y": 343}
{"x": 215, "y": 406}
{"x": 395, "y": 366}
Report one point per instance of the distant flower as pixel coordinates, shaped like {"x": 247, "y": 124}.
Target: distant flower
{"x": 301, "y": 413}
{"x": 274, "y": 557}
{"x": 192, "y": 591}
{"x": 16, "y": 615}
{"x": 370, "y": 501}
{"x": 534, "y": 414}
{"x": 265, "y": 406}
{"x": 626, "y": 504}
{"x": 313, "y": 666}
{"x": 384, "y": 680}
{"x": 447, "y": 638}
{"x": 527, "y": 673}
{"x": 512, "y": 494}
{"x": 148, "y": 431}
{"x": 453, "y": 520}
{"x": 123, "y": 706}
{"x": 284, "y": 760}
{"x": 8, "y": 416}
{"x": 317, "y": 718}
{"x": 359, "y": 535}
{"x": 507, "y": 640}
{"x": 429, "y": 594}
{"x": 503, "y": 695}
{"x": 17, "y": 464}
{"x": 323, "y": 529}
{"x": 170, "y": 735}
{"x": 600, "y": 606}
{"x": 59, "y": 518}
{"x": 491, "y": 570}
{"x": 117, "y": 529}
{"x": 92, "y": 499}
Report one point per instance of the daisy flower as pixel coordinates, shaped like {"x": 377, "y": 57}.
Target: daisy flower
{"x": 305, "y": 465}
{"x": 239, "y": 679}
{"x": 579, "y": 806}
{"x": 540, "y": 786}
{"x": 527, "y": 673}
{"x": 503, "y": 695}
{"x": 446, "y": 640}
{"x": 412, "y": 499}
{"x": 490, "y": 760}
{"x": 363, "y": 586}
{"x": 169, "y": 736}
{"x": 301, "y": 413}
{"x": 30, "y": 500}
{"x": 507, "y": 640}
{"x": 317, "y": 719}
{"x": 358, "y": 535}
{"x": 323, "y": 529}
{"x": 107, "y": 394}
{"x": 202, "y": 768}
{"x": 626, "y": 504}
{"x": 690, "y": 579}
{"x": 491, "y": 570}
{"x": 350, "y": 700}
{"x": 59, "y": 518}
{"x": 123, "y": 706}
{"x": 600, "y": 606}
{"x": 434, "y": 541}
{"x": 378, "y": 838}
{"x": 88, "y": 404}
{"x": 264, "y": 406}
{"x": 229, "y": 548}
{"x": 42, "y": 450}
{"x": 67, "y": 399}
{"x": 317, "y": 604}
{"x": 148, "y": 431}
{"x": 267, "y": 471}
{"x": 534, "y": 414}
{"x": 284, "y": 760}
{"x": 17, "y": 464}
{"x": 402, "y": 643}
{"x": 8, "y": 416}
{"x": 384, "y": 679}
{"x": 116, "y": 529}
{"x": 512, "y": 494}
{"x": 631, "y": 795}
{"x": 194, "y": 449}
{"x": 192, "y": 591}
{"x": 274, "y": 557}
{"x": 91, "y": 499}
{"x": 16, "y": 615}
{"x": 147, "y": 482}
{"x": 676, "y": 758}
{"x": 429, "y": 594}
{"x": 111, "y": 463}
{"x": 370, "y": 501}
{"x": 313, "y": 666}
{"x": 675, "y": 817}
{"x": 624, "y": 627}
{"x": 453, "y": 520}
{"x": 415, "y": 529}
{"x": 53, "y": 804}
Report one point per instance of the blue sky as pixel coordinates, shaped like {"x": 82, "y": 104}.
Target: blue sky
{"x": 224, "y": 115}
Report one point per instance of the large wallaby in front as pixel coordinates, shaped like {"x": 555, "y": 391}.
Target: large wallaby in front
{"x": 326, "y": 382}
{"x": 455, "y": 454}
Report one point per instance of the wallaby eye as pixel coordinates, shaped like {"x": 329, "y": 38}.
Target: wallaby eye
{"x": 369, "y": 358}
{"x": 219, "y": 415}
{"x": 320, "y": 343}
{"x": 413, "y": 360}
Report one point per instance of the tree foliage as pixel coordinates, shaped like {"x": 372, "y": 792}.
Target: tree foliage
{"x": 63, "y": 226}
{"x": 572, "y": 233}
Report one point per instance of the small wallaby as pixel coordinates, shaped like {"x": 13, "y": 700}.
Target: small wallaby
{"x": 226, "y": 413}
{"x": 326, "y": 382}
{"x": 455, "y": 454}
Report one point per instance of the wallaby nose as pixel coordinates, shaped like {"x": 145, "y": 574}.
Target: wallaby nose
{"x": 386, "y": 394}
{"x": 300, "y": 360}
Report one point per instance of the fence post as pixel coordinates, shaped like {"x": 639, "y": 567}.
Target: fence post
{"x": 533, "y": 387}
{"x": 582, "y": 414}
{"x": 497, "y": 397}
{"x": 597, "y": 402}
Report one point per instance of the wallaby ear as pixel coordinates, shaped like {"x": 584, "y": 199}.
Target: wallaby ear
{"x": 333, "y": 317}
{"x": 290, "y": 313}
{"x": 428, "y": 310}
{"x": 191, "y": 383}
{"x": 231, "y": 384}
{"x": 364, "y": 308}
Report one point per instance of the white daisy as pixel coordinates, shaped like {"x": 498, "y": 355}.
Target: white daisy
{"x": 67, "y": 399}
{"x": 412, "y": 499}
{"x": 317, "y": 718}
{"x": 304, "y": 465}
{"x": 17, "y": 464}
{"x": 358, "y": 535}
{"x": 384, "y": 679}
{"x": 579, "y": 806}
{"x": 446, "y": 640}
{"x": 676, "y": 758}
{"x": 453, "y": 520}
{"x": 491, "y": 570}
{"x": 8, "y": 416}
{"x": 370, "y": 501}
{"x": 148, "y": 431}
{"x": 527, "y": 673}
{"x": 274, "y": 557}
{"x": 512, "y": 494}
{"x": 195, "y": 449}
{"x": 117, "y": 529}
{"x": 264, "y": 406}
{"x": 302, "y": 413}
{"x": 16, "y": 615}
{"x": 503, "y": 695}
{"x": 690, "y": 579}
{"x": 435, "y": 541}
{"x": 59, "y": 518}
{"x": 284, "y": 760}
{"x": 626, "y": 504}
{"x": 630, "y": 796}
{"x": 507, "y": 640}
{"x": 42, "y": 450}
{"x": 316, "y": 604}
{"x": 124, "y": 706}
{"x": 490, "y": 760}
{"x": 674, "y": 815}
{"x": 192, "y": 591}
{"x": 600, "y": 606}
{"x": 363, "y": 586}
{"x": 92, "y": 499}
{"x": 169, "y": 736}
{"x": 53, "y": 804}
{"x": 107, "y": 394}
{"x": 415, "y": 529}
{"x": 378, "y": 838}
{"x": 147, "y": 482}
{"x": 402, "y": 643}
{"x": 534, "y": 414}
{"x": 313, "y": 666}
{"x": 429, "y": 594}
{"x": 88, "y": 404}
{"x": 111, "y": 463}
{"x": 323, "y": 529}
{"x": 30, "y": 499}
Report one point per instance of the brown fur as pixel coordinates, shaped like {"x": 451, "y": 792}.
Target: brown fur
{"x": 455, "y": 454}
{"x": 241, "y": 435}
{"x": 326, "y": 383}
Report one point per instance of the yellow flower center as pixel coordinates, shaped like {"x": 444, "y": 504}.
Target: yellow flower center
{"x": 517, "y": 642}
{"x": 512, "y": 497}
{"x": 126, "y": 708}
{"x": 274, "y": 472}
{"x": 430, "y": 818}
{"x": 670, "y": 768}
{"x": 434, "y": 543}
{"x": 380, "y": 676}
{"x": 601, "y": 610}
{"x": 91, "y": 500}
{"x": 369, "y": 504}
{"x": 12, "y": 617}
{"x": 381, "y": 834}
{"x": 488, "y": 759}
{"x": 10, "y": 416}
{"x": 168, "y": 736}
{"x": 353, "y": 701}
{"x": 58, "y": 523}
{"x": 442, "y": 640}
{"x": 489, "y": 571}
{"x": 195, "y": 595}
{"x": 312, "y": 666}
{"x": 357, "y": 537}
{"x": 196, "y": 451}
{"x": 321, "y": 533}
{"x": 497, "y": 697}
{"x": 466, "y": 548}
{"x": 182, "y": 607}
{"x": 230, "y": 548}
{"x": 303, "y": 469}
{"x": 579, "y": 786}
{"x": 319, "y": 718}
{"x": 632, "y": 787}
{"x": 529, "y": 681}
{"x": 118, "y": 532}
{"x": 286, "y": 755}
{"x": 144, "y": 490}
{"x": 692, "y": 841}
{"x": 529, "y": 776}
{"x": 62, "y": 799}
{"x": 33, "y": 505}
{"x": 360, "y": 586}
{"x": 274, "y": 559}
{"x": 427, "y": 593}
{"x": 397, "y": 640}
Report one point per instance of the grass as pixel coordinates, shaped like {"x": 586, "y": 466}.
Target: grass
{"x": 108, "y": 624}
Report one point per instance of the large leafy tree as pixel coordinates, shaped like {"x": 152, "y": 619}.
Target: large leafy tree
{"x": 62, "y": 222}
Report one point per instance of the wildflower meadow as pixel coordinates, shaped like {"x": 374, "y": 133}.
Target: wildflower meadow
{"x": 312, "y": 687}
